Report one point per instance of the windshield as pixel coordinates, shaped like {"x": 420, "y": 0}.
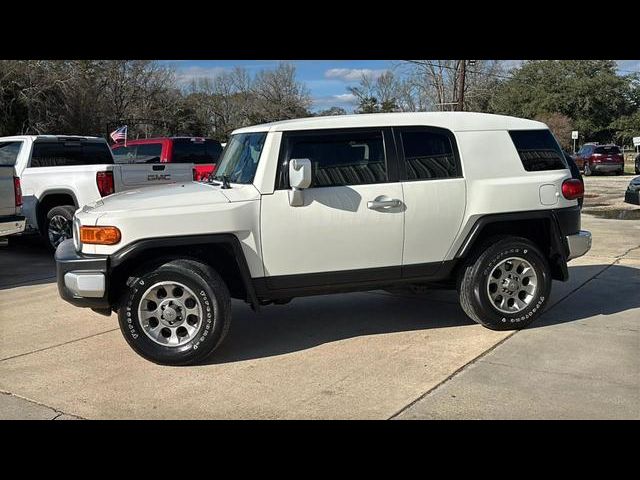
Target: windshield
{"x": 240, "y": 157}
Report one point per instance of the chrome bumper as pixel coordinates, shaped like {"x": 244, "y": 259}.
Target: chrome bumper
{"x": 11, "y": 225}
{"x": 83, "y": 284}
{"x": 579, "y": 244}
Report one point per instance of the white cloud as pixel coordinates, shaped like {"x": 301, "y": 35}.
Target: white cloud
{"x": 353, "y": 74}
{"x": 186, "y": 75}
{"x": 344, "y": 100}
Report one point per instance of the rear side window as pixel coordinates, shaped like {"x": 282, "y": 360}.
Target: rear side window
{"x": 198, "y": 152}
{"x": 428, "y": 155}
{"x": 9, "y": 153}
{"x": 607, "y": 150}
{"x": 148, "y": 153}
{"x": 350, "y": 158}
{"x": 61, "y": 154}
{"x": 124, "y": 154}
{"x": 538, "y": 150}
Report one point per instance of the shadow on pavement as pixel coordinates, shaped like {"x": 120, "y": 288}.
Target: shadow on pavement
{"x": 313, "y": 321}
{"x": 617, "y": 290}
{"x": 306, "y": 323}
{"x": 26, "y": 261}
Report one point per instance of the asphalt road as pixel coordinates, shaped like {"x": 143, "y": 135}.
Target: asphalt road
{"x": 361, "y": 355}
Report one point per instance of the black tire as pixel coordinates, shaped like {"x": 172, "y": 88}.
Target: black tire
{"x": 475, "y": 299}
{"x": 587, "y": 170}
{"x": 212, "y": 293}
{"x": 63, "y": 223}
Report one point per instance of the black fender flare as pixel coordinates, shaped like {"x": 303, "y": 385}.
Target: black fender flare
{"x": 134, "y": 249}
{"x": 557, "y": 233}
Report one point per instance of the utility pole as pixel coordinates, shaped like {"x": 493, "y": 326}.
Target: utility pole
{"x": 462, "y": 71}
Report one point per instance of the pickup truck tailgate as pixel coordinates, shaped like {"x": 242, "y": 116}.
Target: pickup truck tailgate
{"x": 7, "y": 195}
{"x": 130, "y": 176}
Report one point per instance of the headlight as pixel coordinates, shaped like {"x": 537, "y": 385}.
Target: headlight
{"x": 76, "y": 234}
{"x": 100, "y": 235}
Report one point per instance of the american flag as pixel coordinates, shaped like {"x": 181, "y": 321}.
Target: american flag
{"x": 119, "y": 134}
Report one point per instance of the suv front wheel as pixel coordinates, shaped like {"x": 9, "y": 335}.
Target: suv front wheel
{"x": 507, "y": 286}
{"x": 175, "y": 313}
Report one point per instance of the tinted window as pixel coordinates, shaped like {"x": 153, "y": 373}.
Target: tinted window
{"x": 428, "y": 155}
{"x": 607, "y": 150}
{"x": 124, "y": 154}
{"x": 241, "y": 157}
{"x": 538, "y": 150}
{"x": 190, "y": 151}
{"x": 350, "y": 158}
{"x": 60, "y": 154}
{"x": 148, "y": 153}
{"x": 9, "y": 153}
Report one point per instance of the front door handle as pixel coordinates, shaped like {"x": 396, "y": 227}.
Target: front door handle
{"x": 383, "y": 203}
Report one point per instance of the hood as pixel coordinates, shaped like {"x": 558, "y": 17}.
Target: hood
{"x": 159, "y": 196}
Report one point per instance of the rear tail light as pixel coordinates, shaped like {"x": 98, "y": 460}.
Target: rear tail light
{"x": 105, "y": 184}
{"x": 195, "y": 175}
{"x": 17, "y": 191}
{"x": 572, "y": 189}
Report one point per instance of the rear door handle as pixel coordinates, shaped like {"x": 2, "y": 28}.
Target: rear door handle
{"x": 383, "y": 202}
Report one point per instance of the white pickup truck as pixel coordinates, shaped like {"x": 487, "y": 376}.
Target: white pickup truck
{"x": 60, "y": 174}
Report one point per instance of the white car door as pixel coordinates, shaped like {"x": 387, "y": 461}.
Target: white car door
{"x": 434, "y": 194}
{"x": 350, "y": 226}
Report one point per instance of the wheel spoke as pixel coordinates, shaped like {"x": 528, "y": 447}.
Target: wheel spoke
{"x": 505, "y": 285}
{"x": 171, "y": 313}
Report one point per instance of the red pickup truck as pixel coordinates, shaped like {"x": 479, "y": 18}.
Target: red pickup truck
{"x": 202, "y": 152}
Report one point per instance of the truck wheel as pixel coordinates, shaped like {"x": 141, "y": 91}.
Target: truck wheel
{"x": 176, "y": 313}
{"x": 58, "y": 225}
{"x": 507, "y": 286}
{"x": 587, "y": 170}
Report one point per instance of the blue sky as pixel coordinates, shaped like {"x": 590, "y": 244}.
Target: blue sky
{"x": 326, "y": 79}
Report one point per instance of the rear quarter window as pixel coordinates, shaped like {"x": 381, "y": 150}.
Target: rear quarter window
{"x": 538, "y": 150}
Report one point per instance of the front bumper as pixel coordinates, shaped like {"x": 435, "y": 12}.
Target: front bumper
{"x": 579, "y": 244}
{"x": 82, "y": 279}
{"x": 11, "y": 225}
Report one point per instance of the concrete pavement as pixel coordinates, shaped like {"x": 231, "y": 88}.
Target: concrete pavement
{"x": 361, "y": 355}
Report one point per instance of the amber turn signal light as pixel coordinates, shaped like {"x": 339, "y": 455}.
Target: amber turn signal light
{"x": 100, "y": 235}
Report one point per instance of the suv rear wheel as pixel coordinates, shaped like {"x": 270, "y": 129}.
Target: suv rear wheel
{"x": 587, "y": 170}
{"x": 175, "y": 313}
{"x": 507, "y": 286}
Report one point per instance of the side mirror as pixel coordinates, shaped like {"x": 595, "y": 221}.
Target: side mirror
{"x": 299, "y": 179}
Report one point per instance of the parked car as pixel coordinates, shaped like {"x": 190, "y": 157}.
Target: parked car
{"x": 632, "y": 195}
{"x": 482, "y": 203}
{"x": 11, "y": 218}
{"x": 202, "y": 152}
{"x": 60, "y": 174}
{"x": 595, "y": 158}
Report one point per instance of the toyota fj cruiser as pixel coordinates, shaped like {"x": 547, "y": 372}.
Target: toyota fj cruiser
{"x": 482, "y": 203}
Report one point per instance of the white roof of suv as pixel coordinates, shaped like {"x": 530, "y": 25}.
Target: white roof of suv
{"x": 454, "y": 121}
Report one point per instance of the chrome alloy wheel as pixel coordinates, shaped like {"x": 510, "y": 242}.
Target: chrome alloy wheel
{"x": 512, "y": 285}
{"x": 59, "y": 230}
{"x": 170, "y": 314}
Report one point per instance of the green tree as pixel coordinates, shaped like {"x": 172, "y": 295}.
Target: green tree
{"x": 589, "y": 92}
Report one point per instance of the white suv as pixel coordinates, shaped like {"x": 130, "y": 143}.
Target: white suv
{"x": 482, "y": 203}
